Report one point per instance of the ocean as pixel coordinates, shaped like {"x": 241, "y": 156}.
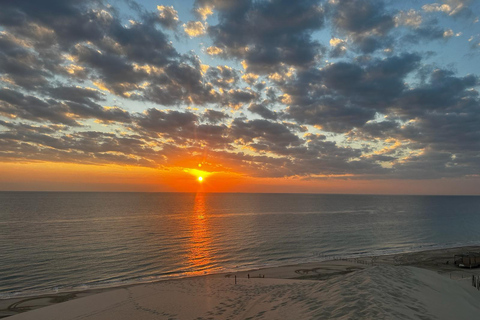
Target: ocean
{"x": 65, "y": 241}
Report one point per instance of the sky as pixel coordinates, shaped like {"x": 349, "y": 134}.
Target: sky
{"x": 331, "y": 96}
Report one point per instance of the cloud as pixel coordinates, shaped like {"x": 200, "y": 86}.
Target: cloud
{"x": 263, "y": 111}
{"x": 14, "y": 104}
{"x": 78, "y": 105}
{"x": 250, "y": 78}
{"x": 428, "y": 32}
{"x": 410, "y": 18}
{"x": 450, "y": 7}
{"x": 365, "y": 21}
{"x": 439, "y": 119}
{"x": 182, "y": 128}
{"x": 155, "y": 120}
{"x": 435, "y": 7}
{"x": 52, "y": 143}
{"x": 339, "y": 47}
{"x": 444, "y": 92}
{"x": 168, "y": 17}
{"x": 222, "y": 76}
{"x": 213, "y": 51}
{"x": 266, "y": 34}
{"x": 182, "y": 82}
{"x": 204, "y": 12}
{"x": 214, "y": 116}
{"x": 195, "y": 28}
{"x": 263, "y": 134}
{"x": 76, "y": 94}
{"x": 19, "y": 65}
{"x": 347, "y": 95}
{"x": 378, "y": 109}
{"x": 236, "y": 98}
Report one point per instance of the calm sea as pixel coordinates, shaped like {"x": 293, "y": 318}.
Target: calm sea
{"x": 53, "y": 241}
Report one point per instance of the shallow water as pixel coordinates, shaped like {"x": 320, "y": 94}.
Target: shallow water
{"x": 53, "y": 241}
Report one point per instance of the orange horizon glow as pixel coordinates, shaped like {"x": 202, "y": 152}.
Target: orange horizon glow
{"x": 58, "y": 176}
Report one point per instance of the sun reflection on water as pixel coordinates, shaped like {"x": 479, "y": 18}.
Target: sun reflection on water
{"x": 199, "y": 256}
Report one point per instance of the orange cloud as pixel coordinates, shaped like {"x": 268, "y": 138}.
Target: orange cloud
{"x": 195, "y": 28}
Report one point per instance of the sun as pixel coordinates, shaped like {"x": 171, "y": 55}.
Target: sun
{"x": 200, "y": 179}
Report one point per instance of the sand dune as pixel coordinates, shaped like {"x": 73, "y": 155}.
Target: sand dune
{"x": 378, "y": 292}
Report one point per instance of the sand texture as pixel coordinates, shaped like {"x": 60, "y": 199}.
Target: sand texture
{"x": 379, "y": 292}
{"x": 404, "y": 286}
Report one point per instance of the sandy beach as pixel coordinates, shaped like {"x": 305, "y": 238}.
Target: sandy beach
{"x": 419, "y": 285}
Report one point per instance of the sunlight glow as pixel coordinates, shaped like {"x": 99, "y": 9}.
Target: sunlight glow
{"x": 200, "y": 179}
{"x": 200, "y": 242}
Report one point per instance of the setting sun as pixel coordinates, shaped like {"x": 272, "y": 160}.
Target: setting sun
{"x": 200, "y": 179}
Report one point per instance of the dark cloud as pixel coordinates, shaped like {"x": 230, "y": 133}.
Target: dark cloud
{"x": 376, "y": 83}
{"x": 317, "y": 156}
{"x": 444, "y": 92}
{"x": 222, "y": 77}
{"x": 379, "y": 129}
{"x": 236, "y": 98}
{"x": 58, "y": 143}
{"x": 431, "y": 164}
{"x": 95, "y": 111}
{"x": 440, "y": 119}
{"x": 383, "y": 158}
{"x": 332, "y": 115}
{"x": 171, "y": 122}
{"x": 75, "y": 149}
{"x": 45, "y": 129}
{"x": 71, "y": 21}
{"x": 346, "y": 95}
{"x": 365, "y": 21}
{"x": 182, "y": 127}
{"x": 264, "y": 131}
{"x": 46, "y": 11}
{"x": 362, "y": 16}
{"x": 180, "y": 83}
{"x": 428, "y": 31}
{"x": 143, "y": 43}
{"x": 21, "y": 66}
{"x": 214, "y": 116}
{"x": 76, "y": 94}
{"x": 267, "y": 33}
{"x": 215, "y": 136}
{"x": 135, "y": 60}
{"x": 14, "y": 104}
{"x": 263, "y": 111}
{"x": 338, "y": 51}
{"x": 167, "y": 17}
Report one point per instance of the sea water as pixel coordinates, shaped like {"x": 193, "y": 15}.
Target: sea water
{"x": 63, "y": 241}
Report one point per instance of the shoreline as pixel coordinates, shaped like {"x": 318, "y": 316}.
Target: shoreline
{"x": 320, "y": 259}
{"x": 432, "y": 259}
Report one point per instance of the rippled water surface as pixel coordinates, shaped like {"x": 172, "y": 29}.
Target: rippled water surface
{"x": 61, "y": 241}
